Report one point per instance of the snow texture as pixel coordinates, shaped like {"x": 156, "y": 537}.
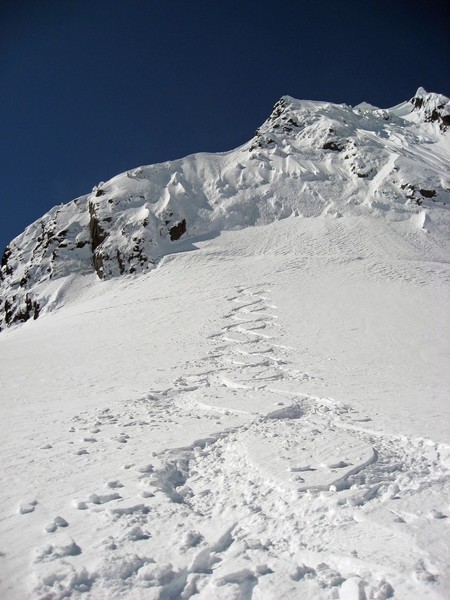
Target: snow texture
{"x": 247, "y": 412}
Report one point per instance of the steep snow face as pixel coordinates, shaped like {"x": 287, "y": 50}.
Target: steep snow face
{"x": 265, "y": 417}
{"x": 308, "y": 159}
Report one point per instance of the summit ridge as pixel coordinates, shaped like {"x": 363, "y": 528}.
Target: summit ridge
{"x": 308, "y": 159}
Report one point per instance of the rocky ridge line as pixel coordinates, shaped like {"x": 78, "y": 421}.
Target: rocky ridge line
{"x": 307, "y": 159}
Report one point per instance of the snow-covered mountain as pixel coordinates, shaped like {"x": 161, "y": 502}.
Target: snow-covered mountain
{"x": 237, "y": 386}
{"x": 307, "y": 159}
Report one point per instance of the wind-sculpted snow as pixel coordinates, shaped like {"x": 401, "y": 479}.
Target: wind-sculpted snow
{"x": 308, "y": 159}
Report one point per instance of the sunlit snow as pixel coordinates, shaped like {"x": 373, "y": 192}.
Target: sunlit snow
{"x": 260, "y": 410}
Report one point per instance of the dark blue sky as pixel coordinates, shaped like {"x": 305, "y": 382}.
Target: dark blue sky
{"x": 90, "y": 88}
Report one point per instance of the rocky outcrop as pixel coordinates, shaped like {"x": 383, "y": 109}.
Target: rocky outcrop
{"x": 98, "y": 235}
{"x": 177, "y": 230}
{"x": 432, "y": 108}
{"x": 333, "y": 145}
{"x": 20, "y": 309}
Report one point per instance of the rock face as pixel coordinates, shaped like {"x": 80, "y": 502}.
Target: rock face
{"x": 308, "y": 159}
{"x": 432, "y": 108}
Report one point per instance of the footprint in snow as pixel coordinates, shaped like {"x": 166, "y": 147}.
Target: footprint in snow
{"x": 27, "y": 507}
{"x": 51, "y": 552}
{"x": 57, "y": 522}
{"x": 436, "y": 514}
{"x": 103, "y": 499}
{"x": 97, "y": 500}
{"x": 114, "y": 484}
{"x": 81, "y": 451}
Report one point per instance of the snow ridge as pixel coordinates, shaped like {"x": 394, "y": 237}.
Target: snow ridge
{"x": 308, "y": 159}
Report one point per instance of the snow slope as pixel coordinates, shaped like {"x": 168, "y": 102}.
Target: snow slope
{"x": 263, "y": 414}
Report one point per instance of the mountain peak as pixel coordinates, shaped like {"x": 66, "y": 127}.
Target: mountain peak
{"x": 308, "y": 159}
{"x": 432, "y": 107}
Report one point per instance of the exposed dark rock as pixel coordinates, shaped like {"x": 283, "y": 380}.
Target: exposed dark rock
{"x": 177, "y": 230}
{"x": 34, "y": 309}
{"x": 14, "y": 313}
{"x": 99, "y": 192}
{"x": 432, "y": 112}
{"x": 410, "y": 189}
{"x": 434, "y": 116}
{"x": 278, "y": 109}
{"x": 98, "y": 235}
{"x": 6, "y": 256}
{"x": 332, "y": 145}
{"x": 279, "y": 119}
{"x": 262, "y": 142}
{"x": 427, "y": 193}
{"x": 8, "y": 312}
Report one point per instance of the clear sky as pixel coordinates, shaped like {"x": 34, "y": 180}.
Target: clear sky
{"x": 90, "y": 88}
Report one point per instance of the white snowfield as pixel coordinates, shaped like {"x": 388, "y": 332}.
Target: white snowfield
{"x": 263, "y": 415}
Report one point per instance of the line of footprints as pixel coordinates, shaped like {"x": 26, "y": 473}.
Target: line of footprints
{"x": 247, "y": 361}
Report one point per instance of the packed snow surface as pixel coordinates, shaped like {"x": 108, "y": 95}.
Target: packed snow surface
{"x": 261, "y": 415}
